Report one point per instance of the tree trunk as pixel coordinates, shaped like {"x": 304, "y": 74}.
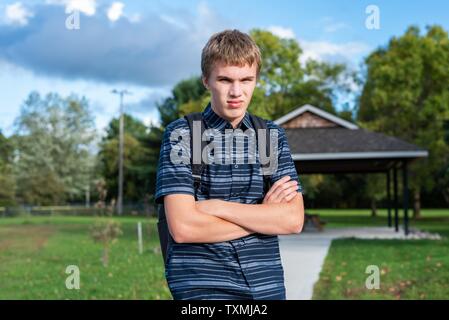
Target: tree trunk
{"x": 417, "y": 204}
{"x": 373, "y": 208}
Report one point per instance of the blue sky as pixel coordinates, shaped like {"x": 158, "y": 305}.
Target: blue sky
{"x": 148, "y": 46}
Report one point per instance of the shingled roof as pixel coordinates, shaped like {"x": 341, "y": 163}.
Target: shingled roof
{"x": 323, "y": 142}
{"x": 316, "y": 142}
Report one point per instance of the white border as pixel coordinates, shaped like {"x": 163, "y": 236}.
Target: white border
{"x": 360, "y": 155}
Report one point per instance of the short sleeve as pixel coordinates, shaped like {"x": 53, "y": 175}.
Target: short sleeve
{"x": 174, "y": 172}
{"x": 286, "y": 166}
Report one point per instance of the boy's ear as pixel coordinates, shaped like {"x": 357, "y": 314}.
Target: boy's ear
{"x": 205, "y": 82}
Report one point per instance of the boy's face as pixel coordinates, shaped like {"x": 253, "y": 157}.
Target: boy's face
{"x": 231, "y": 88}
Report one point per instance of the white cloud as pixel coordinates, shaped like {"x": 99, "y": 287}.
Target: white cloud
{"x": 18, "y": 82}
{"x": 330, "y": 25}
{"x": 173, "y": 21}
{"x": 204, "y": 10}
{"x": 324, "y": 50}
{"x": 17, "y": 14}
{"x": 124, "y": 55}
{"x": 282, "y": 32}
{"x": 135, "y": 18}
{"x": 88, "y": 7}
{"x": 335, "y": 27}
{"x": 115, "y": 11}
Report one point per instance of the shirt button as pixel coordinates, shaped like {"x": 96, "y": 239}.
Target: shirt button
{"x": 236, "y": 166}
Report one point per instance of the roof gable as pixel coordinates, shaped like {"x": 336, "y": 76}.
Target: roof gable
{"x": 309, "y": 116}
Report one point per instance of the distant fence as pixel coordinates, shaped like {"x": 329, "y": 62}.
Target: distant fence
{"x": 75, "y": 210}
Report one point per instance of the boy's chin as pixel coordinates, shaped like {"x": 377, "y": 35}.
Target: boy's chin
{"x": 236, "y": 112}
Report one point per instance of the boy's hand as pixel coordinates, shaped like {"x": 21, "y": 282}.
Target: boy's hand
{"x": 282, "y": 190}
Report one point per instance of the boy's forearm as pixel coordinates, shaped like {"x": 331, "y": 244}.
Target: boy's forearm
{"x": 275, "y": 218}
{"x": 205, "y": 228}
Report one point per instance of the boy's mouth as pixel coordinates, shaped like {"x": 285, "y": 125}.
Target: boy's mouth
{"x": 235, "y": 103}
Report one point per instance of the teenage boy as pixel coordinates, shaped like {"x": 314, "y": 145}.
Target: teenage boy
{"x": 225, "y": 232}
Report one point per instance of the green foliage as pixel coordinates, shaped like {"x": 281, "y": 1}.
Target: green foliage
{"x": 7, "y": 179}
{"x": 281, "y": 69}
{"x": 406, "y": 94}
{"x": 52, "y": 142}
{"x": 187, "y": 90}
{"x": 140, "y": 160}
{"x": 184, "y": 92}
{"x": 285, "y": 84}
{"x": 6, "y": 150}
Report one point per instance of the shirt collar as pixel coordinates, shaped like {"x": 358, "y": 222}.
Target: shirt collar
{"x": 213, "y": 120}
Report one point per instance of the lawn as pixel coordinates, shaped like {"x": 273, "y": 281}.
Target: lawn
{"x": 413, "y": 269}
{"x": 35, "y": 251}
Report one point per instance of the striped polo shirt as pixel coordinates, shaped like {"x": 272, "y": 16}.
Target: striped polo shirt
{"x": 246, "y": 268}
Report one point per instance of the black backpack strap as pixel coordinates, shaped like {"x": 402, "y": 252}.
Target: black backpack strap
{"x": 165, "y": 237}
{"x": 197, "y": 168}
{"x": 260, "y": 123}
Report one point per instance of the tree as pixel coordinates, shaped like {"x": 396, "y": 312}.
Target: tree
{"x": 281, "y": 69}
{"x": 53, "y": 142}
{"x": 406, "y": 94}
{"x": 7, "y": 180}
{"x": 375, "y": 189}
{"x": 139, "y": 159}
{"x": 442, "y": 176}
{"x": 184, "y": 92}
{"x": 285, "y": 84}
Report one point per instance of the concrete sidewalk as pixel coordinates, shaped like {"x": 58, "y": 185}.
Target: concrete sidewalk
{"x": 303, "y": 254}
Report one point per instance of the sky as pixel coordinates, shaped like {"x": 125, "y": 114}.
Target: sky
{"x": 147, "y": 46}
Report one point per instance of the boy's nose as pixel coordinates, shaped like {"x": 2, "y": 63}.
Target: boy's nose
{"x": 236, "y": 90}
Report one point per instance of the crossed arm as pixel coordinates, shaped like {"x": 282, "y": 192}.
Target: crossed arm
{"x": 208, "y": 221}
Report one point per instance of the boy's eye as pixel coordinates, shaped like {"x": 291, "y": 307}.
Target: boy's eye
{"x": 229, "y": 81}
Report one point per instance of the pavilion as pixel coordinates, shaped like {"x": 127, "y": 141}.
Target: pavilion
{"x": 321, "y": 142}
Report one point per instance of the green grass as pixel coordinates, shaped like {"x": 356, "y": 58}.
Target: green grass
{"x": 411, "y": 269}
{"x": 362, "y": 217}
{"x": 35, "y": 251}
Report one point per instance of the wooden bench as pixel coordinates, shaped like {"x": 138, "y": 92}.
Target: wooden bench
{"x": 314, "y": 220}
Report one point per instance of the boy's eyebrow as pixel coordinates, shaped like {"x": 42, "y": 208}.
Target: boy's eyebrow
{"x": 227, "y": 78}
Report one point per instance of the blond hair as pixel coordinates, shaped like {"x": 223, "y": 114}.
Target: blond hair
{"x": 230, "y": 47}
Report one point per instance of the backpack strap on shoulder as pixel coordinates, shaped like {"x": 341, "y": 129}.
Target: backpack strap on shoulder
{"x": 196, "y": 155}
{"x": 260, "y": 123}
